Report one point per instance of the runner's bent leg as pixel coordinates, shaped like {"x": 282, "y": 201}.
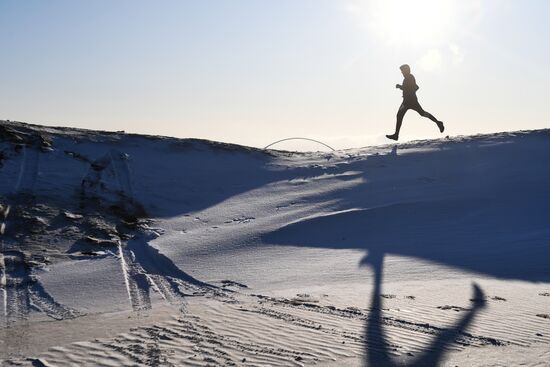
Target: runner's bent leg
{"x": 423, "y": 113}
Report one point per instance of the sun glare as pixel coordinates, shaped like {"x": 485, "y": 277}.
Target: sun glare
{"x": 412, "y": 22}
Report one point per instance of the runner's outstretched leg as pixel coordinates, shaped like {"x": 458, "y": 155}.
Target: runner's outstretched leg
{"x": 423, "y": 113}
{"x": 431, "y": 117}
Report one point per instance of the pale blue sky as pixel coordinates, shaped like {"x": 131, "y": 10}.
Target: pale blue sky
{"x": 252, "y": 72}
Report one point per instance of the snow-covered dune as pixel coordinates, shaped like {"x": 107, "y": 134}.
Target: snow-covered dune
{"x": 121, "y": 249}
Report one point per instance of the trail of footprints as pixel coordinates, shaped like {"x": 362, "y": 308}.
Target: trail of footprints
{"x": 313, "y": 334}
{"x": 184, "y": 341}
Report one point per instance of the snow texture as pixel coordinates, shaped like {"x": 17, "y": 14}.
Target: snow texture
{"x": 124, "y": 250}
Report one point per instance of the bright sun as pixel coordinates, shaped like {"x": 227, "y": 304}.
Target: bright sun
{"x": 408, "y": 21}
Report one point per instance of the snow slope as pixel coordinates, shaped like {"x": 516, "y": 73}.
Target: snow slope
{"x": 121, "y": 249}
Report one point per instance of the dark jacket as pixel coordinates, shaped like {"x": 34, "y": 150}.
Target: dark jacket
{"x": 409, "y": 88}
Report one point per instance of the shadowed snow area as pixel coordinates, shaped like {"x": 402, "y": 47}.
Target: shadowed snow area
{"x": 121, "y": 249}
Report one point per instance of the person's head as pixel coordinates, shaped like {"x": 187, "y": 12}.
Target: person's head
{"x": 405, "y": 69}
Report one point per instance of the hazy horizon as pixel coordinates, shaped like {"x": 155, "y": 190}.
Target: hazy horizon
{"x": 255, "y": 72}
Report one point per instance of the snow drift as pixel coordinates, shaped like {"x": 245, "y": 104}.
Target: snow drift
{"x": 191, "y": 252}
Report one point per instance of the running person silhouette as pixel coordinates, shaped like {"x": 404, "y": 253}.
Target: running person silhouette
{"x": 410, "y": 102}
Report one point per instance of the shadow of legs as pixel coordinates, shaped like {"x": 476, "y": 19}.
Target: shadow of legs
{"x": 377, "y": 349}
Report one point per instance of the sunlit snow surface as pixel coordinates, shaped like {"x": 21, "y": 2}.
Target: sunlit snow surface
{"x": 122, "y": 249}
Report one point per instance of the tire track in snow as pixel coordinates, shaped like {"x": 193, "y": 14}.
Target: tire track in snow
{"x": 24, "y": 292}
{"x": 15, "y": 304}
{"x": 108, "y": 182}
{"x": 29, "y": 171}
{"x": 136, "y": 282}
{"x": 144, "y": 268}
{"x": 21, "y": 291}
{"x": 110, "y": 176}
{"x": 16, "y": 279}
{"x": 122, "y": 172}
{"x": 5, "y": 211}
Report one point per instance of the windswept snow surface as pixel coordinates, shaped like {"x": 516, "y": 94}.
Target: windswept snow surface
{"x": 125, "y": 250}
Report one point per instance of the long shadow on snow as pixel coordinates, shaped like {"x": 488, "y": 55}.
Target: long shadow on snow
{"x": 499, "y": 166}
{"x": 506, "y": 239}
{"x": 173, "y": 177}
{"x": 155, "y": 263}
{"x": 377, "y": 349}
{"x": 493, "y": 224}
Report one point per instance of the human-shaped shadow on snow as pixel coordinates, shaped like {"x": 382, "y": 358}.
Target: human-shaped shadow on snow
{"x": 377, "y": 349}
